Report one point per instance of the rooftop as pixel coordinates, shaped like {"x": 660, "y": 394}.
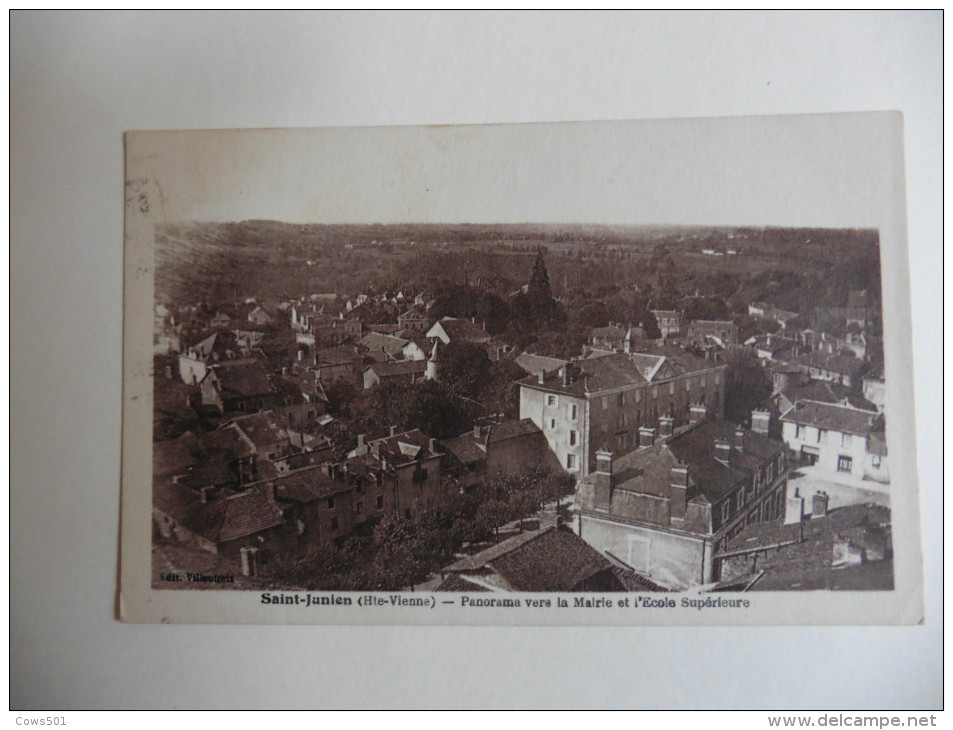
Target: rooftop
{"x": 834, "y": 417}
{"x": 550, "y": 559}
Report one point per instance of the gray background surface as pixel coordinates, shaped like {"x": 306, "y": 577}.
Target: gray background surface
{"x": 79, "y": 80}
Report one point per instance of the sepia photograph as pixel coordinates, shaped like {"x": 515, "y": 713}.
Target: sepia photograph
{"x": 461, "y": 413}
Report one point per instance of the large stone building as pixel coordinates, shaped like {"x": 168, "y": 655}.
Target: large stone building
{"x": 666, "y": 509}
{"x": 604, "y": 402}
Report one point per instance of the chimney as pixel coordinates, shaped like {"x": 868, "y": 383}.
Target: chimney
{"x": 601, "y": 480}
{"x": 646, "y": 436}
{"x": 360, "y": 440}
{"x": 542, "y": 377}
{"x": 740, "y": 439}
{"x": 476, "y": 432}
{"x": 564, "y": 374}
{"x": 268, "y": 489}
{"x": 760, "y": 420}
{"x": 722, "y": 451}
{"x": 204, "y": 494}
{"x": 249, "y": 561}
{"x": 432, "y": 443}
{"x": 300, "y": 355}
{"x": 698, "y": 413}
{"x": 665, "y": 424}
{"x": 819, "y": 504}
{"x": 393, "y": 430}
{"x": 679, "y": 490}
{"x": 795, "y": 509}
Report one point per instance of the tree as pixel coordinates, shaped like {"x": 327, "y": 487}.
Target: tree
{"x": 438, "y": 412}
{"x": 649, "y": 323}
{"x": 494, "y": 512}
{"x": 464, "y": 368}
{"x": 399, "y": 562}
{"x": 747, "y": 386}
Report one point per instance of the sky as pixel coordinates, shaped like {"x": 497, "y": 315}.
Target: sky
{"x": 840, "y": 170}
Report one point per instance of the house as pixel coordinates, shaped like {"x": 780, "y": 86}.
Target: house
{"x": 391, "y": 346}
{"x": 451, "y": 329}
{"x": 464, "y": 463}
{"x": 615, "y": 338}
{"x": 773, "y": 348}
{"x": 409, "y": 468}
{"x": 665, "y": 509}
{"x": 536, "y": 364}
{"x": 231, "y": 525}
{"x": 759, "y": 309}
{"x": 784, "y": 318}
{"x": 499, "y": 449}
{"x": 337, "y": 364}
{"x": 849, "y": 548}
{"x": 320, "y": 508}
{"x": 546, "y": 560}
{"x": 259, "y": 316}
{"x": 402, "y": 372}
{"x": 272, "y": 438}
{"x": 414, "y": 319}
{"x": 417, "y": 348}
{"x": 239, "y": 386}
{"x": 875, "y": 387}
{"x": 221, "y": 320}
{"x": 668, "y": 322}
{"x": 842, "y": 369}
{"x": 603, "y": 402}
{"x": 724, "y": 332}
{"x": 842, "y": 441}
{"x": 196, "y": 360}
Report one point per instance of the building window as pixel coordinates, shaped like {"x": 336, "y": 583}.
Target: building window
{"x": 621, "y": 400}
{"x": 725, "y": 510}
{"x": 875, "y": 461}
{"x": 572, "y": 438}
{"x": 703, "y": 382}
{"x": 845, "y": 439}
{"x": 551, "y": 400}
{"x": 605, "y": 402}
{"x": 717, "y": 379}
{"x": 844, "y": 463}
{"x": 573, "y": 411}
{"x": 334, "y": 523}
{"x": 552, "y": 423}
{"x": 380, "y": 502}
{"x": 671, "y": 388}
{"x": 359, "y": 507}
{"x": 688, "y": 384}
{"x": 571, "y": 462}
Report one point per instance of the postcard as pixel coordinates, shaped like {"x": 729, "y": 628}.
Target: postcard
{"x": 597, "y": 373}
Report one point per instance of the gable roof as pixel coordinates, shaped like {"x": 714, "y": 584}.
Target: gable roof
{"x": 465, "y": 448}
{"x": 242, "y": 378}
{"x": 550, "y": 559}
{"x": 397, "y": 367}
{"x": 511, "y": 429}
{"x": 385, "y": 343}
{"x": 834, "y": 417}
{"x": 224, "y": 519}
{"x": 535, "y": 364}
{"x": 463, "y": 329}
